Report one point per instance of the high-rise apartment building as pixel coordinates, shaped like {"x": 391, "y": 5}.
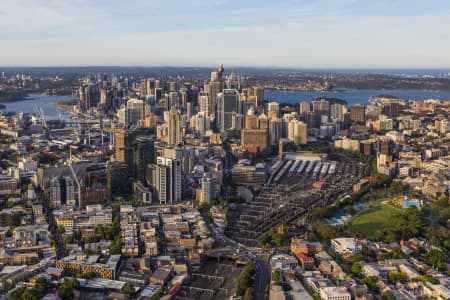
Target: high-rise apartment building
{"x": 358, "y": 114}
{"x": 62, "y": 191}
{"x": 297, "y": 132}
{"x": 321, "y": 107}
{"x": 207, "y": 190}
{"x": 259, "y": 93}
{"x": 305, "y": 107}
{"x": 204, "y": 103}
{"x": 174, "y": 128}
{"x": 167, "y": 180}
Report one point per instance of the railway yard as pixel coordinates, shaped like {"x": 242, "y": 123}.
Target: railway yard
{"x": 295, "y": 185}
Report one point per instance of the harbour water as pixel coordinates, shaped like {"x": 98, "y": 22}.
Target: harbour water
{"x": 34, "y": 102}
{"x": 353, "y": 96}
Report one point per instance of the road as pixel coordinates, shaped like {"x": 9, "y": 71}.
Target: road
{"x": 262, "y": 278}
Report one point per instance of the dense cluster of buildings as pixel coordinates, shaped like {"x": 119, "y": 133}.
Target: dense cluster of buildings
{"x": 111, "y": 196}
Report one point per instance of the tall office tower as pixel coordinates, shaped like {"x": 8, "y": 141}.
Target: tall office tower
{"x": 208, "y": 190}
{"x": 273, "y": 107}
{"x": 125, "y": 117}
{"x": 182, "y": 98}
{"x": 237, "y": 121}
{"x": 229, "y": 100}
{"x": 259, "y": 93}
{"x": 312, "y": 119}
{"x": 220, "y": 70}
{"x": 275, "y": 131}
{"x": 192, "y": 95}
{"x": 337, "y": 112}
{"x": 200, "y": 122}
{"x": 204, "y": 103}
{"x": 172, "y": 86}
{"x": 137, "y": 108}
{"x": 263, "y": 121}
{"x": 89, "y": 96}
{"x": 174, "y": 100}
{"x": 251, "y": 120}
{"x": 174, "y": 136}
{"x": 167, "y": 180}
{"x": 215, "y": 76}
{"x": 189, "y": 110}
{"x": 124, "y": 149}
{"x": 391, "y": 109}
{"x": 305, "y": 107}
{"x": 385, "y": 145}
{"x": 254, "y": 138}
{"x": 358, "y": 114}
{"x": 62, "y": 191}
{"x": 144, "y": 154}
{"x": 106, "y": 97}
{"x": 321, "y": 107}
{"x": 150, "y": 86}
{"x": 297, "y": 132}
{"x": 158, "y": 94}
{"x": 213, "y": 89}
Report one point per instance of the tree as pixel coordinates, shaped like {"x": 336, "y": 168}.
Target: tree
{"x": 395, "y": 277}
{"x": 128, "y": 288}
{"x": 371, "y": 283}
{"x": 65, "y": 289}
{"x": 356, "y": 268}
{"x": 397, "y": 253}
{"x": 244, "y": 280}
{"x": 388, "y": 296}
{"x": 437, "y": 259}
{"x": 248, "y": 294}
{"x": 428, "y": 278}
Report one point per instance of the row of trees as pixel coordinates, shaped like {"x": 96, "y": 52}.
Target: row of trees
{"x": 244, "y": 282}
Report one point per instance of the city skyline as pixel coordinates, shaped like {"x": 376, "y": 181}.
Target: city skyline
{"x": 297, "y": 34}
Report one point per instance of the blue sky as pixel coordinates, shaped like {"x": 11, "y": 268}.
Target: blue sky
{"x": 288, "y": 33}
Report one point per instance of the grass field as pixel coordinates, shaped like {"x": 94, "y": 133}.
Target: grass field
{"x": 377, "y": 217}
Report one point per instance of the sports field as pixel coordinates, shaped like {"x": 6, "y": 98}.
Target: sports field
{"x": 375, "y": 218}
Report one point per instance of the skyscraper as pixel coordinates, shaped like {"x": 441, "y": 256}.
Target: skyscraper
{"x": 229, "y": 100}
{"x": 207, "y": 191}
{"x": 305, "y": 107}
{"x": 136, "y": 109}
{"x": 174, "y": 126}
{"x": 275, "y": 131}
{"x": 213, "y": 89}
{"x": 337, "y": 112}
{"x": 204, "y": 103}
{"x": 321, "y": 107}
{"x": 273, "y": 107}
{"x": 144, "y": 153}
{"x": 358, "y": 114}
{"x": 124, "y": 150}
{"x": 62, "y": 191}
{"x": 259, "y": 93}
{"x": 167, "y": 180}
{"x": 297, "y": 132}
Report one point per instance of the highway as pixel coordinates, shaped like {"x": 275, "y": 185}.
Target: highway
{"x": 262, "y": 278}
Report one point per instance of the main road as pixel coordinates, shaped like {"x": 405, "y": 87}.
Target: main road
{"x": 262, "y": 278}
